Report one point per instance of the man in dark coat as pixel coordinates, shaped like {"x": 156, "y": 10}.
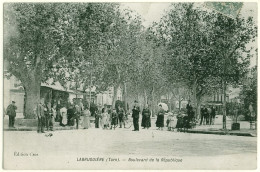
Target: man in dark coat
{"x": 41, "y": 116}
{"x": 97, "y": 116}
{"x": 203, "y": 112}
{"x": 77, "y": 113}
{"x": 135, "y": 115}
{"x": 70, "y": 113}
{"x": 213, "y": 115}
{"x": 189, "y": 108}
{"x": 121, "y": 114}
{"x": 11, "y": 112}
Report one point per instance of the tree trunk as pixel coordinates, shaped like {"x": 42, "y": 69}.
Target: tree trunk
{"x": 145, "y": 97}
{"x": 179, "y": 103}
{"x": 196, "y": 99}
{"x": 32, "y": 92}
{"x": 125, "y": 96}
{"x": 153, "y": 110}
{"x": 198, "y": 106}
{"x": 114, "y": 95}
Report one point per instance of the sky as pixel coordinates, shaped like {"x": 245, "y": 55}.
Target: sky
{"x": 153, "y": 11}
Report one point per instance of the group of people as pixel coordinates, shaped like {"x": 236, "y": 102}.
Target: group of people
{"x": 108, "y": 119}
{"x": 47, "y": 114}
{"x": 208, "y": 115}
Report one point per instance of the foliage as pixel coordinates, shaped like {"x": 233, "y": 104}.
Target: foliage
{"x": 200, "y": 46}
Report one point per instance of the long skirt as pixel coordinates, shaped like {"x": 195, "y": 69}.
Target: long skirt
{"x": 143, "y": 121}
{"x": 64, "y": 119}
{"x": 86, "y": 122}
{"x": 160, "y": 121}
{"x": 172, "y": 123}
{"x": 147, "y": 122}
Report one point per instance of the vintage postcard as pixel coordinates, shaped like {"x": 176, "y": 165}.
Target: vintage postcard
{"x": 129, "y": 85}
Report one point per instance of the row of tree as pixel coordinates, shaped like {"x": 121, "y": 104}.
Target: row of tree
{"x": 190, "y": 52}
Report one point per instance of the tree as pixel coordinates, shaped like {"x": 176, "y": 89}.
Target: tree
{"x": 199, "y": 44}
{"x": 59, "y": 41}
{"x": 29, "y": 46}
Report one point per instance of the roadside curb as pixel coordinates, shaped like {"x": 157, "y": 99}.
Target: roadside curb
{"x": 35, "y": 129}
{"x": 222, "y": 133}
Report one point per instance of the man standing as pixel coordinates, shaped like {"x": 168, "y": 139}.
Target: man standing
{"x": 97, "y": 116}
{"x": 209, "y": 116}
{"x": 213, "y": 114}
{"x": 77, "y": 113}
{"x": 189, "y": 108}
{"x": 40, "y": 114}
{"x": 47, "y": 111}
{"x": 203, "y": 112}
{"x": 121, "y": 114}
{"x": 135, "y": 115}
{"x": 11, "y": 112}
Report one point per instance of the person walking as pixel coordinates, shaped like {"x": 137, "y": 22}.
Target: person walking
{"x": 41, "y": 115}
{"x": 135, "y": 116}
{"x": 86, "y": 118}
{"x": 146, "y": 114}
{"x": 11, "y": 112}
{"x": 160, "y": 118}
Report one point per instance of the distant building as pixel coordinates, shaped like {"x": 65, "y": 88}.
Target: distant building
{"x": 14, "y": 91}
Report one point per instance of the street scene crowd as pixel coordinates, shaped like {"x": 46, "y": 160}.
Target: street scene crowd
{"x": 75, "y": 114}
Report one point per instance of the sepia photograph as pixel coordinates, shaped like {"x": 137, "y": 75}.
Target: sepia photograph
{"x": 129, "y": 85}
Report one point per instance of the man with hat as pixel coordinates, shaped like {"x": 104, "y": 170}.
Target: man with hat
{"x": 135, "y": 115}
{"x": 40, "y": 112}
{"x": 11, "y": 112}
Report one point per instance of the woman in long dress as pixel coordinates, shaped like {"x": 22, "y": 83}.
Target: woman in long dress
{"x": 86, "y": 118}
{"x": 105, "y": 119}
{"x": 63, "y": 112}
{"x": 146, "y": 117}
{"x": 160, "y": 118}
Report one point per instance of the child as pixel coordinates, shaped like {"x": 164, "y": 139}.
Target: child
{"x": 113, "y": 119}
{"x": 172, "y": 121}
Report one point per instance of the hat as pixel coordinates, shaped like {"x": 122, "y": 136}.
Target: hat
{"x": 13, "y": 101}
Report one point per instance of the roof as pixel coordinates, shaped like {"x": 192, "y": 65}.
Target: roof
{"x": 56, "y": 86}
